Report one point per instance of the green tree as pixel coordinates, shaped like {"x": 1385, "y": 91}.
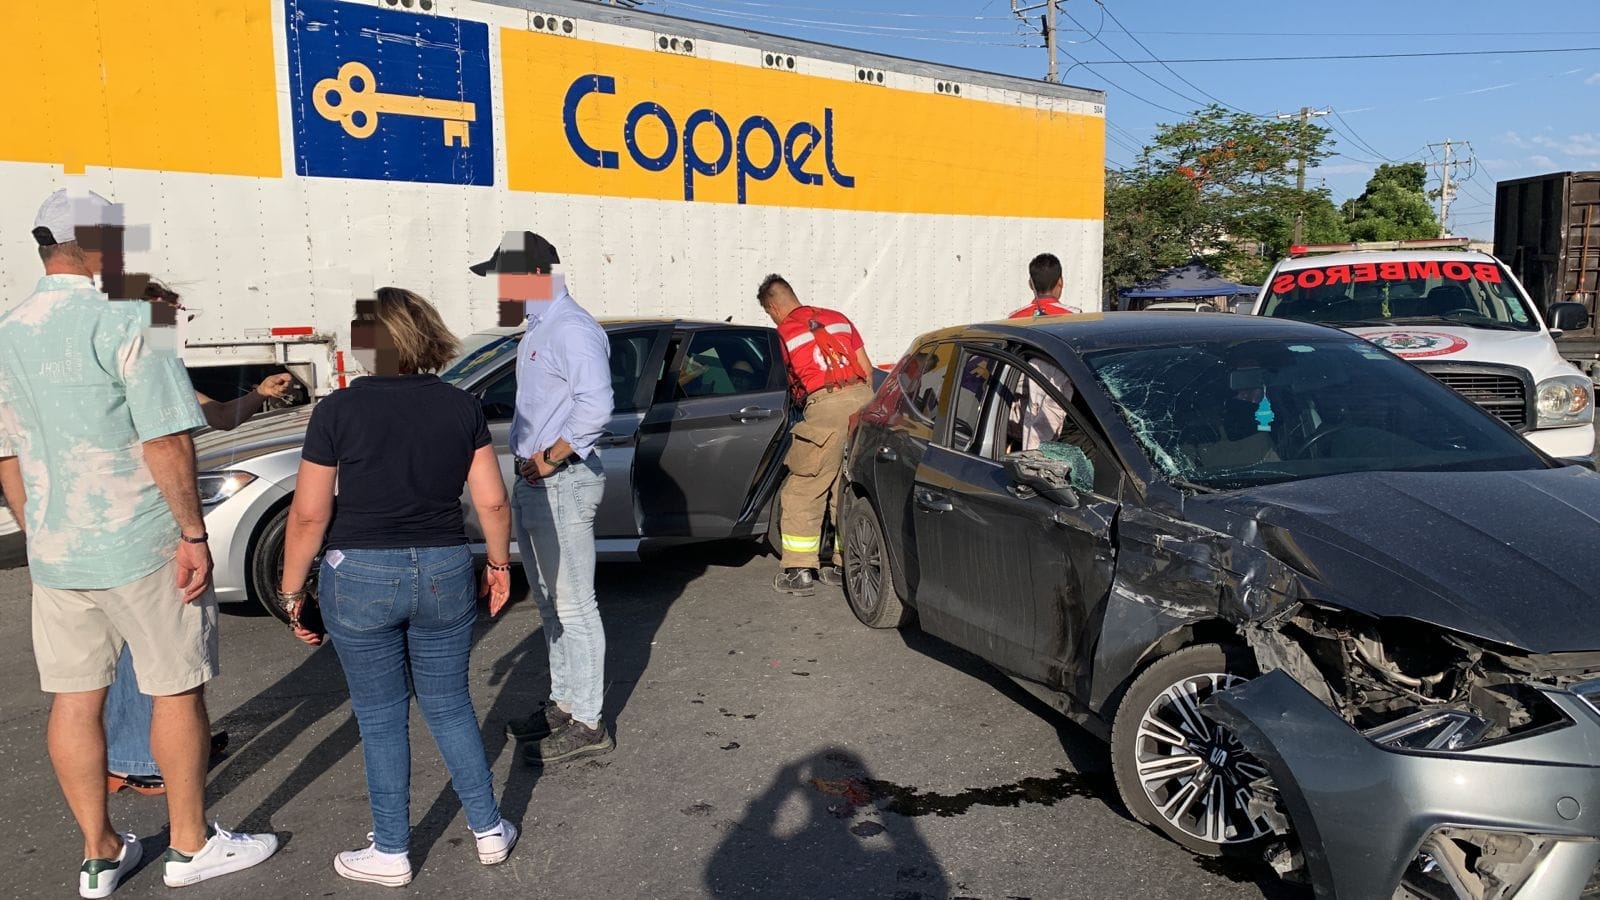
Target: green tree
{"x": 1394, "y": 207}
{"x": 1218, "y": 186}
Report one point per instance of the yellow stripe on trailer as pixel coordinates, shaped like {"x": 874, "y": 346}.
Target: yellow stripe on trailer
{"x": 185, "y": 87}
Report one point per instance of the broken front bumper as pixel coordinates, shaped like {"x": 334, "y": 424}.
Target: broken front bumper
{"x": 1364, "y": 812}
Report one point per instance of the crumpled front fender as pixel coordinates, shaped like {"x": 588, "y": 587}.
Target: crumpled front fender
{"x": 1362, "y": 812}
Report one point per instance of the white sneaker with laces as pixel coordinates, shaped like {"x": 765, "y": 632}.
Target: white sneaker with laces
{"x": 374, "y": 866}
{"x": 99, "y": 877}
{"x": 495, "y": 844}
{"x": 225, "y": 852}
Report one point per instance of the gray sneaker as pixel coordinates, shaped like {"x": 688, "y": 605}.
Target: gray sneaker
{"x": 545, "y": 721}
{"x": 574, "y": 741}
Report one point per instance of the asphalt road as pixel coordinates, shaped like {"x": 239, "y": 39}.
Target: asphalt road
{"x": 766, "y": 748}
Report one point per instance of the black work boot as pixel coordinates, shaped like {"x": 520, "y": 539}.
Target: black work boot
{"x": 797, "y": 582}
{"x": 574, "y": 740}
{"x": 832, "y": 576}
{"x": 545, "y": 721}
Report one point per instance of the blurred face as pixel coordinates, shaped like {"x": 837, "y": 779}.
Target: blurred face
{"x": 515, "y": 291}
{"x": 370, "y": 342}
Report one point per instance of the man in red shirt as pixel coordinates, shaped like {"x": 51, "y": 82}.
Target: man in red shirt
{"x": 830, "y": 375}
{"x": 1044, "y": 276}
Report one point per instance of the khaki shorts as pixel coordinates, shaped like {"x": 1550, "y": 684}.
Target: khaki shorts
{"x": 78, "y": 635}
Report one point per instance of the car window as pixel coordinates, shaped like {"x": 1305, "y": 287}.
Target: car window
{"x": 1231, "y": 414}
{"x": 630, "y": 353}
{"x": 1035, "y": 423}
{"x": 965, "y": 413}
{"x": 725, "y": 362}
{"x": 480, "y": 353}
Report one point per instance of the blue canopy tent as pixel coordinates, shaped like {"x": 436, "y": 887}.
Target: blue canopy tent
{"x": 1193, "y": 281}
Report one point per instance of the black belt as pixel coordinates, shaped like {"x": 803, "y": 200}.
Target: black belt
{"x": 518, "y": 462}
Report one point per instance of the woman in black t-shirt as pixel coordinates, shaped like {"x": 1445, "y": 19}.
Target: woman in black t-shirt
{"x": 397, "y": 574}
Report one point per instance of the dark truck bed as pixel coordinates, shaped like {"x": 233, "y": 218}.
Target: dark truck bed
{"x": 1547, "y": 229}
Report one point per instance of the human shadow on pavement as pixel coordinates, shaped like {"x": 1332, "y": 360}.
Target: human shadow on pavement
{"x": 634, "y": 601}
{"x": 1090, "y": 759}
{"x": 262, "y": 728}
{"x": 818, "y": 831}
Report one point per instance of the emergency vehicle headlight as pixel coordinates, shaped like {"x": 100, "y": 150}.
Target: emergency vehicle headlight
{"x": 1565, "y": 400}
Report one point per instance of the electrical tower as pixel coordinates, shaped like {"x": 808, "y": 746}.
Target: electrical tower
{"x": 1305, "y": 115}
{"x": 1447, "y": 167}
{"x": 1047, "y": 27}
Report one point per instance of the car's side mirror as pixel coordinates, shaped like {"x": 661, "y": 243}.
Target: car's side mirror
{"x": 1569, "y": 317}
{"x": 1582, "y": 462}
{"x": 1050, "y": 480}
{"x": 498, "y": 412}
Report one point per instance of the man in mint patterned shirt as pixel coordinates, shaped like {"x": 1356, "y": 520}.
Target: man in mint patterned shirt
{"x": 95, "y": 454}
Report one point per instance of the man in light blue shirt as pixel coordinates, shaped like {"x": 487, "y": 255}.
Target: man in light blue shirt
{"x": 96, "y": 457}
{"x": 564, "y": 404}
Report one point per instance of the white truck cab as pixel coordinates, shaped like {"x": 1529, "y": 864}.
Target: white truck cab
{"x": 1459, "y": 315}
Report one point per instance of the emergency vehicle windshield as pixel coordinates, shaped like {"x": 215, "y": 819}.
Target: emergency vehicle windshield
{"x": 1466, "y": 293}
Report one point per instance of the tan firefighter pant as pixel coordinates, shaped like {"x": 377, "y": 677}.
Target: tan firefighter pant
{"x": 815, "y": 456}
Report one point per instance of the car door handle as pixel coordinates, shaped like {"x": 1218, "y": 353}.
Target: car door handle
{"x": 934, "y": 502}
{"x": 885, "y": 455}
{"x": 613, "y": 440}
{"x": 752, "y": 414}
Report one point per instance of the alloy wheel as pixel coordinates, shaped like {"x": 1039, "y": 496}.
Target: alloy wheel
{"x": 863, "y": 551}
{"x": 1196, "y": 773}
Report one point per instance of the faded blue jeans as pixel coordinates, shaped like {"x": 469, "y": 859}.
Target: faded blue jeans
{"x": 401, "y": 621}
{"x": 555, "y": 531}
{"x": 127, "y": 721}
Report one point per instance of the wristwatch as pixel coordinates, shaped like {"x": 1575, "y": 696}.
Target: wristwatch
{"x": 194, "y": 540}
{"x": 547, "y": 460}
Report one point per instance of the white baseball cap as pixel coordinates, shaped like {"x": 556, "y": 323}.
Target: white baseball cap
{"x": 62, "y": 214}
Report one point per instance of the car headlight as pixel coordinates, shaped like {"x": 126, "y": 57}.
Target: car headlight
{"x": 1565, "y": 400}
{"x": 1431, "y": 729}
{"x": 216, "y": 487}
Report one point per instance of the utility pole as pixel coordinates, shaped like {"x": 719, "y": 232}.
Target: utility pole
{"x": 1447, "y": 186}
{"x": 1305, "y": 116}
{"x": 1047, "y": 25}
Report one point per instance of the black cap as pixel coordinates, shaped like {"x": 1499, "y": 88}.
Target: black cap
{"x": 520, "y": 253}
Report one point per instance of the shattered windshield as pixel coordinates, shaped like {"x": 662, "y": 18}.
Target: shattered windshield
{"x": 1227, "y": 415}
{"x": 1468, "y": 293}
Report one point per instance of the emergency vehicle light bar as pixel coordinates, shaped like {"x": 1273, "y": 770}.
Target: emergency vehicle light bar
{"x": 1299, "y": 250}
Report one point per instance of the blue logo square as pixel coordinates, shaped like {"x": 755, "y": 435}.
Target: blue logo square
{"x": 389, "y": 96}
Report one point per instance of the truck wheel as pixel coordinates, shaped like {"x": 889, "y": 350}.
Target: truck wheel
{"x": 868, "y": 577}
{"x": 1180, "y": 772}
{"x": 266, "y": 566}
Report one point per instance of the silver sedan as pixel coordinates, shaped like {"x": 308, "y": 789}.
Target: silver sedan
{"x": 693, "y": 452}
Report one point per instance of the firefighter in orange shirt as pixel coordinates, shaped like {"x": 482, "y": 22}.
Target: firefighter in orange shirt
{"x": 830, "y": 375}
{"x": 1045, "y": 277}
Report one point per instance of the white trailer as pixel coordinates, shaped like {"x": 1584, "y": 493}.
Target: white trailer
{"x": 279, "y": 159}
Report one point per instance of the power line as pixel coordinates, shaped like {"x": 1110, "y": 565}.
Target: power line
{"x": 1152, "y": 55}
{"x": 858, "y": 29}
{"x": 1137, "y": 97}
{"x": 1358, "y": 139}
{"x": 1152, "y": 79}
{"x": 1213, "y": 59}
{"x": 1364, "y": 34}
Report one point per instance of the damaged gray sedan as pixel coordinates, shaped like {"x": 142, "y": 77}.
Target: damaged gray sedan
{"x": 1328, "y": 613}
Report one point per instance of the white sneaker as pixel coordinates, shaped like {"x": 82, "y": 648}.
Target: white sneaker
{"x": 371, "y": 865}
{"x": 225, "y": 852}
{"x": 99, "y": 877}
{"x": 495, "y": 844}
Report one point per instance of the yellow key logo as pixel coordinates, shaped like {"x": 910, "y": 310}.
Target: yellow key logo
{"x": 353, "y": 100}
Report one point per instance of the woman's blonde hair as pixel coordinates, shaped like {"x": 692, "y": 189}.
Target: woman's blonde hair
{"x": 421, "y": 341}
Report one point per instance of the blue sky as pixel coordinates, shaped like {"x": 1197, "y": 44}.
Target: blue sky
{"x": 1522, "y": 114}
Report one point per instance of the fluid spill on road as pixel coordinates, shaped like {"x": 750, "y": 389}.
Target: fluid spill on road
{"x": 908, "y": 801}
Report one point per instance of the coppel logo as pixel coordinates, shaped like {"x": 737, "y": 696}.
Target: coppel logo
{"x": 790, "y": 152}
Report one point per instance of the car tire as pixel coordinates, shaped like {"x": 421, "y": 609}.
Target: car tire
{"x": 266, "y": 566}
{"x": 1179, "y": 772}
{"x": 868, "y": 576}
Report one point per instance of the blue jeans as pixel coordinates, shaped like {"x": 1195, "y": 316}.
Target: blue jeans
{"x": 401, "y": 621}
{"x": 555, "y": 531}
{"x": 128, "y": 723}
